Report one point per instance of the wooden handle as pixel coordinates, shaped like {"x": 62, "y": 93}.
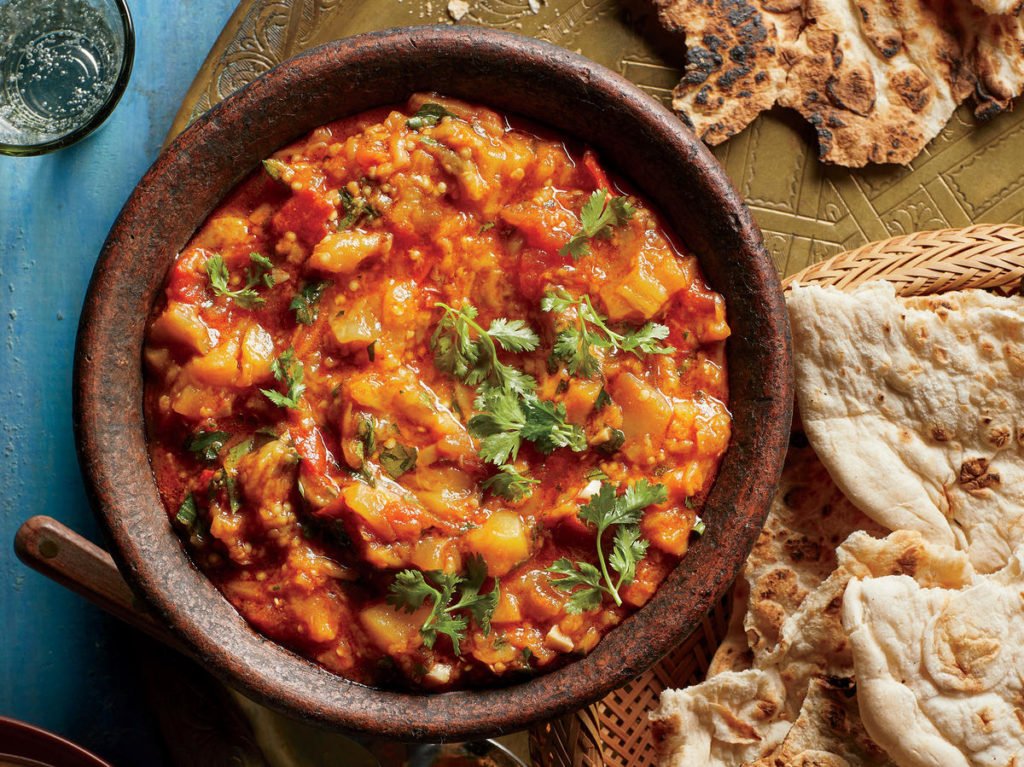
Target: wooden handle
{"x": 61, "y": 554}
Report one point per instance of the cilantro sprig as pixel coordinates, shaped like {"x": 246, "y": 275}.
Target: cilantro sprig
{"x": 600, "y": 213}
{"x": 605, "y": 510}
{"x": 287, "y": 370}
{"x": 510, "y": 484}
{"x": 507, "y": 418}
{"x": 412, "y": 588}
{"x": 575, "y": 344}
{"x": 474, "y": 360}
{"x": 257, "y": 273}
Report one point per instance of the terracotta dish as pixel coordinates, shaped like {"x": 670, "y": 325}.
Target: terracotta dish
{"x": 641, "y": 140}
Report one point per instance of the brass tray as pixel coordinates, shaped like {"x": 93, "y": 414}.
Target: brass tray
{"x": 970, "y": 173}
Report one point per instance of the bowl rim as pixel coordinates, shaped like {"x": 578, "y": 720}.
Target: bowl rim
{"x": 106, "y": 418}
{"x": 106, "y": 109}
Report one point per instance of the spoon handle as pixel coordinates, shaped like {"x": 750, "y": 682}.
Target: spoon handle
{"x": 62, "y": 555}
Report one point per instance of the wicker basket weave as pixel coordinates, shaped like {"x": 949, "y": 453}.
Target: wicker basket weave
{"x": 614, "y": 731}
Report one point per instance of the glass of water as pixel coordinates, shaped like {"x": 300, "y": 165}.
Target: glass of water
{"x": 63, "y": 67}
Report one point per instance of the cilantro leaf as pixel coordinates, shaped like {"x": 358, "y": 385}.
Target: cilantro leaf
{"x": 578, "y": 574}
{"x": 275, "y": 169}
{"x": 547, "y": 428}
{"x": 217, "y": 271}
{"x": 600, "y": 213}
{"x": 259, "y": 271}
{"x": 305, "y": 303}
{"x": 509, "y": 417}
{"x": 575, "y": 344}
{"x": 398, "y": 460}
{"x": 287, "y": 370}
{"x": 513, "y": 335}
{"x": 628, "y": 548}
{"x": 366, "y": 430}
{"x": 427, "y": 116}
{"x": 510, "y": 484}
{"x": 475, "y": 360}
{"x": 604, "y": 510}
{"x": 411, "y": 589}
{"x": 207, "y": 444}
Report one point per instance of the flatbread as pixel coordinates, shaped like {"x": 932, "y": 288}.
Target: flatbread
{"x": 828, "y": 732}
{"x": 998, "y": 7}
{"x": 916, "y": 408}
{"x": 796, "y": 550}
{"x": 876, "y": 80}
{"x": 735, "y": 717}
{"x": 734, "y": 653}
{"x": 813, "y": 641}
{"x": 996, "y": 56}
{"x": 734, "y": 60}
{"x": 940, "y": 671}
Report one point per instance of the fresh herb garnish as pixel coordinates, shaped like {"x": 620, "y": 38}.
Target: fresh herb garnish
{"x": 574, "y": 345}
{"x": 427, "y": 116}
{"x": 259, "y": 271}
{"x": 599, "y": 214}
{"x": 607, "y": 510}
{"x": 616, "y": 438}
{"x": 305, "y": 304}
{"x": 508, "y": 417}
{"x": 246, "y": 297}
{"x": 286, "y": 370}
{"x": 356, "y": 208}
{"x": 412, "y": 588}
{"x": 224, "y": 481}
{"x": 399, "y": 459}
{"x": 509, "y": 483}
{"x": 475, "y": 360}
{"x": 207, "y": 444}
{"x": 188, "y": 512}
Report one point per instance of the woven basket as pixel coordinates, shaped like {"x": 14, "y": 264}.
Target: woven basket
{"x": 614, "y": 732}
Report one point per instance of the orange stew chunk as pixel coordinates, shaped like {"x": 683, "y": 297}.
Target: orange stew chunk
{"x": 434, "y": 399}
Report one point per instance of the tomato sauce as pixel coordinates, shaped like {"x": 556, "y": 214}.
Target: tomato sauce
{"x": 323, "y": 455}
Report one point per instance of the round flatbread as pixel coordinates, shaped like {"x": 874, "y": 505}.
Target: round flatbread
{"x": 916, "y": 408}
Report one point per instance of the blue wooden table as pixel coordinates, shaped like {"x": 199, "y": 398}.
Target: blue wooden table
{"x": 63, "y": 665}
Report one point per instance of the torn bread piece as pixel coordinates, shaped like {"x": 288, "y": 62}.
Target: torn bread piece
{"x": 939, "y": 671}
{"x": 916, "y": 408}
{"x": 813, "y": 641}
{"x": 735, "y": 717}
{"x": 734, "y": 60}
{"x": 828, "y": 732}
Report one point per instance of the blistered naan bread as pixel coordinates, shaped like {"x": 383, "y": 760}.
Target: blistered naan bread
{"x": 828, "y": 732}
{"x": 876, "y": 80}
{"x": 735, "y": 66}
{"x": 796, "y": 550}
{"x": 735, "y": 717}
{"x": 916, "y": 408}
{"x": 812, "y": 641}
{"x": 940, "y": 672}
{"x": 741, "y": 716}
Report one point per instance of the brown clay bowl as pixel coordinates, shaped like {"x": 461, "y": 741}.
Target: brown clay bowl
{"x": 638, "y": 137}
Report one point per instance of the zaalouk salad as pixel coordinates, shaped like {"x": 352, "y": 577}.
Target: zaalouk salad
{"x": 434, "y": 401}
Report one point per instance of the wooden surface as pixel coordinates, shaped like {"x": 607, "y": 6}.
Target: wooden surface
{"x": 63, "y": 664}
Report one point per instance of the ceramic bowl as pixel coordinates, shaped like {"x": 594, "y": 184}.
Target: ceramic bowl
{"x": 637, "y": 137}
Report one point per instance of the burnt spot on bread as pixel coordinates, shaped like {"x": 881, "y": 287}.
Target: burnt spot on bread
{"x": 975, "y": 475}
